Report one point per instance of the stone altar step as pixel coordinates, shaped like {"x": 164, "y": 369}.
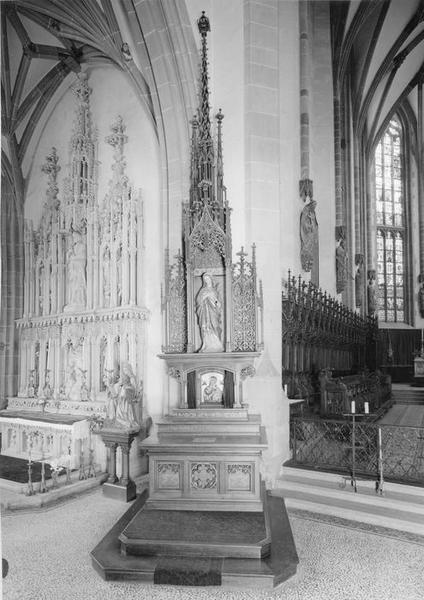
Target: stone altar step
{"x": 239, "y": 573}
{"x": 406, "y": 394}
{"x": 400, "y": 508}
{"x": 196, "y": 533}
{"x": 204, "y": 424}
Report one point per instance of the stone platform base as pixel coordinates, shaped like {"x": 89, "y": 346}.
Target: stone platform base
{"x": 161, "y": 563}
{"x": 126, "y": 493}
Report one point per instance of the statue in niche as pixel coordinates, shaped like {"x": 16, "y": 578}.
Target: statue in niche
{"x": 73, "y": 383}
{"x": 341, "y": 265}
{"x": 308, "y": 235}
{"x": 31, "y": 384}
{"x": 47, "y": 388}
{"x": 212, "y": 393}
{"x": 359, "y": 279}
{"x": 84, "y": 392}
{"x": 372, "y": 293}
{"x": 122, "y": 399}
{"x": 76, "y": 261}
{"x": 208, "y": 309}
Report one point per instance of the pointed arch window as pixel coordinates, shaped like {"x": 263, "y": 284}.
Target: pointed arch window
{"x": 390, "y": 224}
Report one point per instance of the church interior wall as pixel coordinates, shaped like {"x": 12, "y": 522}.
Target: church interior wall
{"x": 322, "y": 141}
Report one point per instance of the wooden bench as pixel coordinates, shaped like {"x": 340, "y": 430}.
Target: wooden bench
{"x": 336, "y": 394}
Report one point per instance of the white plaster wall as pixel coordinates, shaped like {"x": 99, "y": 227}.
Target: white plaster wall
{"x": 112, "y": 95}
{"x": 322, "y": 144}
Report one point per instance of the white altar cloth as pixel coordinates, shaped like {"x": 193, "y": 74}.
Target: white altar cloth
{"x": 44, "y": 440}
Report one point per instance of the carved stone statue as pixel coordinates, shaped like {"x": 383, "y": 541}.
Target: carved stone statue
{"x": 73, "y": 383}
{"x": 109, "y": 381}
{"x": 76, "y": 262}
{"x": 31, "y": 384}
{"x": 122, "y": 399}
{"x": 372, "y": 293}
{"x": 341, "y": 266}
{"x": 47, "y": 388}
{"x": 308, "y": 235}
{"x": 208, "y": 309}
{"x": 359, "y": 280}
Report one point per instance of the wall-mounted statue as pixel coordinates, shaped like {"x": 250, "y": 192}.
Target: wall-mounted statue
{"x": 359, "y": 280}
{"x": 372, "y": 292}
{"x": 208, "y": 310}
{"x": 308, "y": 235}
{"x": 421, "y": 295}
{"x": 341, "y": 259}
{"x": 76, "y": 261}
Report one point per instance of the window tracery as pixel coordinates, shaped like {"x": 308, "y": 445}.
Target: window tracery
{"x": 390, "y": 225}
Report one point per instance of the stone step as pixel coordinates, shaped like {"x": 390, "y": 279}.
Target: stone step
{"x": 194, "y": 533}
{"x": 401, "y": 507}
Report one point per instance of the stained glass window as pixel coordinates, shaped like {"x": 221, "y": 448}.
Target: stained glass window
{"x": 390, "y": 218}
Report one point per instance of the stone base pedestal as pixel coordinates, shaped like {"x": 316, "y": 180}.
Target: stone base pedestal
{"x": 123, "y": 489}
{"x": 125, "y": 493}
{"x": 207, "y": 519}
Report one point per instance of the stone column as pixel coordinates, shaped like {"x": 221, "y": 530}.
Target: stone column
{"x": 125, "y": 464}
{"x": 125, "y": 488}
{"x": 420, "y": 127}
{"x": 111, "y": 461}
{"x": 271, "y": 53}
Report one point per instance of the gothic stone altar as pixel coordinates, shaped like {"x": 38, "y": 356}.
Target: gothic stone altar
{"x": 83, "y": 322}
{"x": 207, "y": 519}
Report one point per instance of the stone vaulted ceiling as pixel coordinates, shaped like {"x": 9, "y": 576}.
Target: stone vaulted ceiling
{"x": 43, "y": 41}
{"x": 381, "y": 43}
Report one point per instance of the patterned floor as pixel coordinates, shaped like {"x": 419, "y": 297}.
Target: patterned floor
{"x": 48, "y": 555}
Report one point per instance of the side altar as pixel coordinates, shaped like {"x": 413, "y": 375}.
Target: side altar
{"x": 83, "y": 325}
{"x": 206, "y": 518}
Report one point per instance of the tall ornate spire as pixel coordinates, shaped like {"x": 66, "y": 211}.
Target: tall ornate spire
{"x": 206, "y": 183}
{"x": 205, "y": 139}
{"x": 80, "y": 185}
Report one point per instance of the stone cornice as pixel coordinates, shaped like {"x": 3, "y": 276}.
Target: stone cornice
{"x": 92, "y": 316}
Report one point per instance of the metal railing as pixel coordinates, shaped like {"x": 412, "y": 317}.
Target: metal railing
{"x": 369, "y": 450}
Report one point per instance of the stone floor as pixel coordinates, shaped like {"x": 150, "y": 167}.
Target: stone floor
{"x": 48, "y": 555}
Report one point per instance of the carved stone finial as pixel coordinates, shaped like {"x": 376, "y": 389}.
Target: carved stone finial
{"x": 117, "y": 137}
{"x": 81, "y": 89}
{"x": 51, "y": 167}
{"x": 203, "y": 24}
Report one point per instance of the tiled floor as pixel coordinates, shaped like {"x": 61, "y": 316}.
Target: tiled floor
{"x": 48, "y": 555}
